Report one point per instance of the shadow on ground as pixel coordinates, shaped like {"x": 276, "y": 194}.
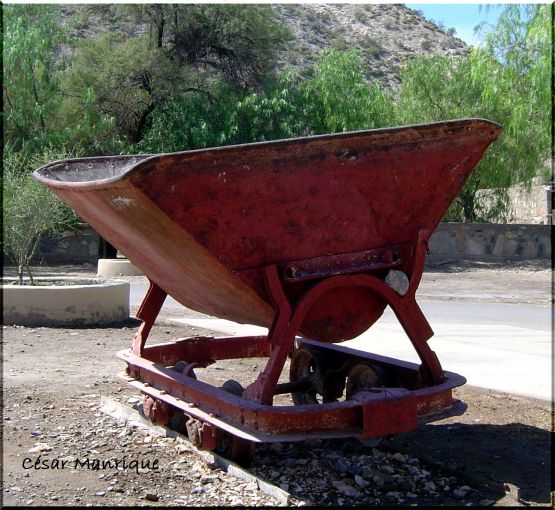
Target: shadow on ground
{"x": 512, "y": 453}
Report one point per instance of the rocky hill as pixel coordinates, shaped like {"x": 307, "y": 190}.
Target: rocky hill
{"x": 387, "y": 35}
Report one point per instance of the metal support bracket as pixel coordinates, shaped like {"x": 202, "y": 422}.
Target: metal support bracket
{"x": 387, "y": 411}
{"x": 148, "y": 311}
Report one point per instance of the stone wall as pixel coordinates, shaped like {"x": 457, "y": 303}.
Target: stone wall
{"x": 480, "y": 241}
{"x": 533, "y": 206}
{"x": 484, "y": 241}
{"x": 69, "y": 247}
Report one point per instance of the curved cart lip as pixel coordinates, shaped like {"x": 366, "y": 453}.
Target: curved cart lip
{"x": 144, "y": 160}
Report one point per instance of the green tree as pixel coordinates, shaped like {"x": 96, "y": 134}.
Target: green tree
{"x": 522, "y": 42}
{"x": 274, "y": 113}
{"x": 237, "y": 41}
{"x": 118, "y": 82}
{"x": 32, "y": 35}
{"x": 332, "y": 97}
{"x": 171, "y": 89}
{"x": 503, "y": 82}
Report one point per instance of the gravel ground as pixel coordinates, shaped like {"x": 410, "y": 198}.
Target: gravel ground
{"x": 346, "y": 473}
{"x": 64, "y": 452}
{"x": 52, "y": 413}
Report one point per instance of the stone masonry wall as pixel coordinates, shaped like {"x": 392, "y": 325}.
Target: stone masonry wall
{"x": 532, "y": 206}
{"x": 480, "y": 241}
{"x": 528, "y": 206}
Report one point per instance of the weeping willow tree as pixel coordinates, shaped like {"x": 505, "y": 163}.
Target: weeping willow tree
{"x": 505, "y": 81}
{"x": 32, "y": 36}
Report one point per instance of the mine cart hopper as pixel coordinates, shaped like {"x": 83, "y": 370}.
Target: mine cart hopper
{"x": 310, "y": 237}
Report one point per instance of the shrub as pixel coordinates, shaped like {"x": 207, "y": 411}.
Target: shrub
{"x": 30, "y": 210}
{"x": 371, "y": 47}
{"x": 361, "y": 16}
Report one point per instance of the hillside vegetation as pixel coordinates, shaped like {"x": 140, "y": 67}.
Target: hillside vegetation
{"x": 106, "y": 79}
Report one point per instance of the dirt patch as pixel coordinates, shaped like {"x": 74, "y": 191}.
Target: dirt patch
{"x": 53, "y": 380}
{"x": 527, "y": 282}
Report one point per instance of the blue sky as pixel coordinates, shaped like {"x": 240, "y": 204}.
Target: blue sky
{"x": 462, "y": 17}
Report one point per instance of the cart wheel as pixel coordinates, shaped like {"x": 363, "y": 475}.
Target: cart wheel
{"x": 234, "y": 448}
{"x": 183, "y": 367}
{"x": 363, "y": 377}
{"x": 157, "y": 411}
{"x": 233, "y": 387}
{"x": 306, "y": 366}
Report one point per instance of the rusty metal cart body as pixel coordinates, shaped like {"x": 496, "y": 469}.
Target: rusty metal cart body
{"x": 303, "y": 236}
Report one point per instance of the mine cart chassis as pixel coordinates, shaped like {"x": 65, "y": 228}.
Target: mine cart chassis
{"x": 385, "y": 396}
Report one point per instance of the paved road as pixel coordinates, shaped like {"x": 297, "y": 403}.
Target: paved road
{"x": 504, "y": 347}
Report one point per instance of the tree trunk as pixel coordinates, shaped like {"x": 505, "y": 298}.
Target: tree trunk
{"x": 160, "y": 27}
{"x": 468, "y": 204}
{"x": 143, "y": 123}
{"x": 36, "y": 94}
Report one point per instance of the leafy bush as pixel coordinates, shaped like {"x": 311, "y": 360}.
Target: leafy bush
{"x": 371, "y": 47}
{"x": 190, "y": 121}
{"x": 361, "y": 16}
{"x": 331, "y": 96}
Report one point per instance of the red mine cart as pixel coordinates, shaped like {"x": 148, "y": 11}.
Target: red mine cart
{"x": 310, "y": 236}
